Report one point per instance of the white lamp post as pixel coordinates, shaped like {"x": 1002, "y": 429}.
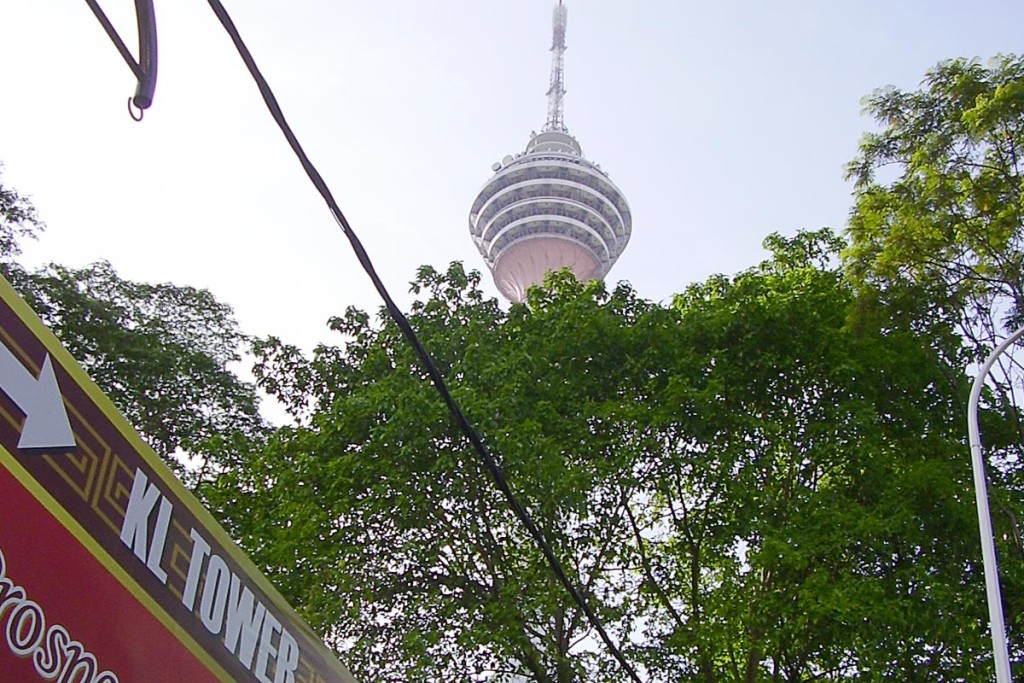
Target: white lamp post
{"x": 988, "y": 547}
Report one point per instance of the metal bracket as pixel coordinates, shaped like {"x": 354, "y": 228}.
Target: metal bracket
{"x": 145, "y": 68}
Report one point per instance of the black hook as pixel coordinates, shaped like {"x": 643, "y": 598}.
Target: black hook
{"x": 131, "y": 112}
{"x": 145, "y": 68}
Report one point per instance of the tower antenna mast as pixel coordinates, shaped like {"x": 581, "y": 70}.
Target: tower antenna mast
{"x": 556, "y": 91}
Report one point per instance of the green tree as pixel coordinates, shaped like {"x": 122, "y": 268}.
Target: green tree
{"x": 163, "y": 353}
{"x": 18, "y": 219}
{"x": 812, "y": 517}
{"x": 385, "y": 528}
{"x": 746, "y": 486}
{"x": 937, "y": 241}
{"x": 940, "y": 197}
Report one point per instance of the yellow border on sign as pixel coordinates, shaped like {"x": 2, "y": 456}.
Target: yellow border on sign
{"x": 116, "y": 570}
{"x": 149, "y": 456}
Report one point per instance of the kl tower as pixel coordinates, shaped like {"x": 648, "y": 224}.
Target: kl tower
{"x": 548, "y": 208}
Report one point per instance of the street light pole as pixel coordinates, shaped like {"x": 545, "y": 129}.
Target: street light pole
{"x": 988, "y": 547}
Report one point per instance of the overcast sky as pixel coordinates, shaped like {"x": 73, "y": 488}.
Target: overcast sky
{"x": 721, "y": 121}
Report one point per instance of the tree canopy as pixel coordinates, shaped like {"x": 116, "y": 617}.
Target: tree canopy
{"x": 940, "y": 196}
{"x": 18, "y": 219}
{"x": 937, "y": 240}
{"x": 746, "y": 485}
{"x": 165, "y": 354}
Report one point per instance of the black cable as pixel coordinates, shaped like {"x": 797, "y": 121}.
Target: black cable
{"x": 145, "y": 68}
{"x": 435, "y": 375}
{"x": 116, "y": 39}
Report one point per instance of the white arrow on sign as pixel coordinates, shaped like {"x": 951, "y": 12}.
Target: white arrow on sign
{"x": 46, "y": 420}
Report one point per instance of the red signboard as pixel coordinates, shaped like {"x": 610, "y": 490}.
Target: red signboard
{"x": 110, "y": 570}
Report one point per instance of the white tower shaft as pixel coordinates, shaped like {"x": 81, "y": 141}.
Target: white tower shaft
{"x": 556, "y": 91}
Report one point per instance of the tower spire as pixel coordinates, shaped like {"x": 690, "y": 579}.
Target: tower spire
{"x": 556, "y": 91}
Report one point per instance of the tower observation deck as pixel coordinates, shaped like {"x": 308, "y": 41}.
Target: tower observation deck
{"x": 548, "y": 208}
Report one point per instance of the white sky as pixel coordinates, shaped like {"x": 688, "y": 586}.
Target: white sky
{"x": 721, "y": 121}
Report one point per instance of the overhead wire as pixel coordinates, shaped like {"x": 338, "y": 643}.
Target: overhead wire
{"x": 489, "y": 461}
